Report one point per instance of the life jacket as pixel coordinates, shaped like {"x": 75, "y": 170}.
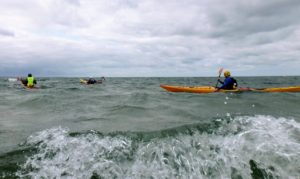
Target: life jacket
{"x": 235, "y": 84}
{"x": 30, "y": 81}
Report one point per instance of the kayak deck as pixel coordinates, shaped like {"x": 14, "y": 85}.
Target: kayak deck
{"x": 211, "y": 89}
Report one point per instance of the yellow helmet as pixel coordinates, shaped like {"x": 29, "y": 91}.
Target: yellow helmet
{"x": 226, "y": 73}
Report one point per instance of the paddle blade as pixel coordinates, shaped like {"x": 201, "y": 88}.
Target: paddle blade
{"x": 220, "y": 71}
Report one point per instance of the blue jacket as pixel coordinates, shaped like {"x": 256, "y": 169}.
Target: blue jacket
{"x": 229, "y": 83}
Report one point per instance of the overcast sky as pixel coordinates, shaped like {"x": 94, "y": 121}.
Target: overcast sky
{"x": 149, "y": 37}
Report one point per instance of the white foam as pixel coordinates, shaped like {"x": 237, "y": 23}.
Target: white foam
{"x": 63, "y": 156}
{"x": 271, "y": 142}
{"x": 12, "y": 79}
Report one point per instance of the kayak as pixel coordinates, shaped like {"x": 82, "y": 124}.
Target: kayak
{"x": 211, "y": 89}
{"x": 27, "y": 87}
{"x": 83, "y": 81}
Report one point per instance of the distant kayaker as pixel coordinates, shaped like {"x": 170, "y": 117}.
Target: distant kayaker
{"x": 229, "y": 83}
{"x": 93, "y": 81}
{"x": 30, "y": 81}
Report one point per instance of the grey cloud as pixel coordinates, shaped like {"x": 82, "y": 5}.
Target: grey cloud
{"x": 67, "y": 16}
{"x": 138, "y": 38}
{"x": 271, "y": 37}
{"x": 233, "y": 20}
{"x": 239, "y": 20}
{"x": 125, "y": 3}
{"x": 191, "y": 61}
{"x": 270, "y": 8}
{"x": 4, "y": 32}
{"x": 74, "y": 2}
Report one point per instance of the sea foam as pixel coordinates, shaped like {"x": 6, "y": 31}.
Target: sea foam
{"x": 244, "y": 146}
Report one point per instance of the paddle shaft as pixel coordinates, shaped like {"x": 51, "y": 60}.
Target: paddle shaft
{"x": 220, "y": 72}
{"x": 218, "y": 81}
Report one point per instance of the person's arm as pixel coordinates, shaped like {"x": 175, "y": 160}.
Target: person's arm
{"x": 221, "y": 83}
{"x": 225, "y": 84}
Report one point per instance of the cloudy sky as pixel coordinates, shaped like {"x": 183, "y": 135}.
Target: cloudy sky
{"x": 149, "y": 37}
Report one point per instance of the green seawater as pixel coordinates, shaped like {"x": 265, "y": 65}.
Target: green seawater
{"x": 132, "y": 128}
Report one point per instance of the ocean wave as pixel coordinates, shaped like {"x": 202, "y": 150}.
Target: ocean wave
{"x": 240, "y": 147}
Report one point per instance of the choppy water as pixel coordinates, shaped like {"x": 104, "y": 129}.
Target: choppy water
{"x": 131, "y": 128}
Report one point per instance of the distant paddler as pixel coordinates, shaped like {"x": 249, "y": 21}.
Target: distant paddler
{"x": 92, "y": 81}
{"x": 29, "y": 82}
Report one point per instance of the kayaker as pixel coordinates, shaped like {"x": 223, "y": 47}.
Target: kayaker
{"x": 30, "y": 81}
{"x": 229, "y": 83}
{"x": 93, "y": 81}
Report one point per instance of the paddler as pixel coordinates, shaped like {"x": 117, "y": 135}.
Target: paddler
{"x": 29, "y": 81}
{"x": 229, "y": 83}
{"x": 93, "y": 81}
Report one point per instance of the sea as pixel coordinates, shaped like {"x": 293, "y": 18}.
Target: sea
{"x": 130, "y": 128}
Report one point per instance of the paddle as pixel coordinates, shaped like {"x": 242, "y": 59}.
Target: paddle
{"x": 220, "y": 72}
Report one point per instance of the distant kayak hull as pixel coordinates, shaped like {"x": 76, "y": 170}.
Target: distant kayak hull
{"x": 211, "y": 89}
{"x": 27, "y": 87}
{"x": 83, "y": 81}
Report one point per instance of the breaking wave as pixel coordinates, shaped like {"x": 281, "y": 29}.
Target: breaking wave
{"x": 240, "y": 147}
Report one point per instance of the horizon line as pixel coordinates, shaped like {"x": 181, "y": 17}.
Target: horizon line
{"x": 149, "y": 76}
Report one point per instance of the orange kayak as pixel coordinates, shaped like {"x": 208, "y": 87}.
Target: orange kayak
{"x": 211, "y": 89}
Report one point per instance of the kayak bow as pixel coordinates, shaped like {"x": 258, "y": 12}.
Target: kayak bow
{"x": 83, "y": 81}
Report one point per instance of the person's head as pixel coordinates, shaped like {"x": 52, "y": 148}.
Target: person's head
{"x": 226, "y": 73}
{"x": 29, "y": 75}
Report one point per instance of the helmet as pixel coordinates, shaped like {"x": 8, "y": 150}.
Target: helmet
{"x": 29, "y": 75}
{"x": 226, "y": 73}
